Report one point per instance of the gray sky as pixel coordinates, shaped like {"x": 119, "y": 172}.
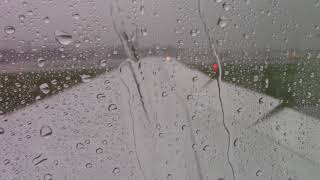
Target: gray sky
{"x": 160, "y": 21}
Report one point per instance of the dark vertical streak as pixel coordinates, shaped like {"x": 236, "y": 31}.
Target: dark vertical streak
{"x": 139, "y": 92}
{"x": 128, "y": 46}
{"x": 132, "y": 54}
{"x": 133, "y": 131}
{"x": 214, "y": 53}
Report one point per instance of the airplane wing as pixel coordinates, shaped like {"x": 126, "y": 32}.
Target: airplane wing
{"x": 155, "y": 120}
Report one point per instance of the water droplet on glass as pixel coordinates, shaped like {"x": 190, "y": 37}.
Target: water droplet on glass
{"x": 1, "y": 130}
{"x": 261, "y": 100}
{"x": 44, "y": 88}
{"x": 189, "y": 97}
{"x": 116, "y": 170}
{"x": 218, "y": 1}
{"x": 112, "y": 107}
{"x": 106, "y": 82}
{"x": 195, "y": 78}
{"x": 101, "y": 96}
{"x": 99, "y": 150}
{"x": 221, "y": 179}
{"x": 76, "y": 16}
{"x": 194, "y": 146}
{"x": 30, "y": 13}
{"x": 41, "y": 62}
{"x": 103, "y": 63}
{"x": 236, "y": 142}
{"x": 144, "y": 31}
{"x": 48, "y": 177}
{"x": 164, "y": 94}
{"x": 54, "y": 81}
{"x": 6, "y": 162}
{"x": 63, "y": 38}
{"x": 9, "y": 30}
{"x": 222, "y": 21}
{"x": 87, "y": 141}
{"x": 206, "y": 148}
{"x": 22, "y": 17}
{"x": 104, "y": 142}
{"x": 194, "y": 32}
{"x": 88, "y": 165}
{"x": 46, "y": 20}
{"x": 161, "y": 135}
{"x": 85, "y": 78}
{"x": 184, "y": 127}
{"x": 245, "y": 35}
{"x": 259, "y": 173}
{"x": 45, "y": 131}
{"x": 56, "y": 162}
{"x": 226, "y": 6}
{"x": 266, "y": 83}
{"x": 79, "y": 146}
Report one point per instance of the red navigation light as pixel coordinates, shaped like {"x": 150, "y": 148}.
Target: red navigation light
{"x": 215, "y": 68}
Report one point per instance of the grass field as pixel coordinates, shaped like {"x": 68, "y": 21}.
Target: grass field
{"x": 20, "y": 89}
{"x": 297, "y": 85}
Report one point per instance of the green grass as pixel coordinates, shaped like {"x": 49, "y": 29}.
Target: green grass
{"x": 20, "y": 89}
{"x": 297, "y": 85}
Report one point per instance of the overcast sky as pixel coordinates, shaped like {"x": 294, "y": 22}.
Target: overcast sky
{"x": 164, "y": 22}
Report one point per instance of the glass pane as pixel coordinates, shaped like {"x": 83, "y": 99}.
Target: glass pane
{"x": 152, "y": 90}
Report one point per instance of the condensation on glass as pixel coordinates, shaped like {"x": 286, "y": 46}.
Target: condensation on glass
{"x": 154, "y": 90}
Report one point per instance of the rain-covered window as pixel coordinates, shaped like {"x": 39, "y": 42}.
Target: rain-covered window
{"x": 159, "y": 90}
